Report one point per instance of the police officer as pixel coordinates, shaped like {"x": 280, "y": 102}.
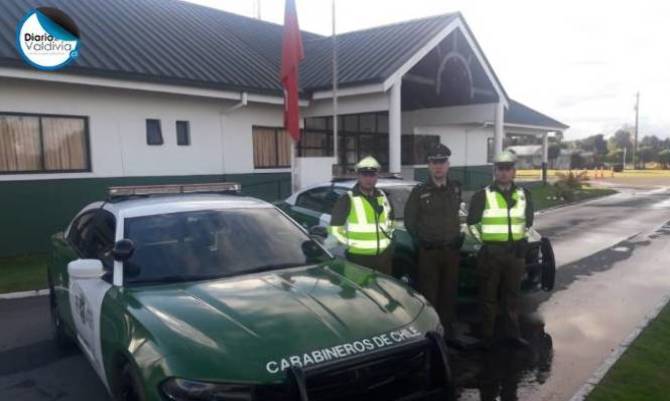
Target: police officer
{"x": 499, "y": 218}
{"x": 432, "y": 219}
{"x": 361, "y": 220}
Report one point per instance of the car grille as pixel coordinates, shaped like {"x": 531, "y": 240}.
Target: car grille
{"x": 408, "y": 373}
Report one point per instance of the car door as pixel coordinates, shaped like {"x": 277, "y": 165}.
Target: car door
{"x": 316, "y": 205}
{"x": 308, "y": 207}
{"x": 94, "y": 240}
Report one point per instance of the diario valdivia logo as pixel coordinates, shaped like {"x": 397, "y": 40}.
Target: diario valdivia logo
{"x": 47, "y": 38}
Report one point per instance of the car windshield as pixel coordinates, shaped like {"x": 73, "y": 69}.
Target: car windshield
{"x": 398, "y": 196}
{"x": 206, "y": 244}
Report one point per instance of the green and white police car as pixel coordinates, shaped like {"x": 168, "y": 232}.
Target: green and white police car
{"x": 312, "y": 207}
{"x": 178, "y": 293}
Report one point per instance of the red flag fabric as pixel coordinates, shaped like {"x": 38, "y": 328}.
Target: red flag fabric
{"x": 292, "y": 54}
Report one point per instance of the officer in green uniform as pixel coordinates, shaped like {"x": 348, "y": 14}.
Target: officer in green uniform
{"x": 499, "y": 217}
{"x": 432, "y": 219}
{"x": 361, "y": 220}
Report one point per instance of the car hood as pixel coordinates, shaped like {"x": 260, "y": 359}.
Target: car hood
{"x": 233, "y": 328}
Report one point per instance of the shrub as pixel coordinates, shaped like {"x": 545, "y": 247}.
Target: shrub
{"x": 568, "y": 184}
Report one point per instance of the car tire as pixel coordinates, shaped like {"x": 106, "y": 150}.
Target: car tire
{"x": 60, "y": 335}
{"x": 548, "y": 265}
{"x": 129, "y": 387}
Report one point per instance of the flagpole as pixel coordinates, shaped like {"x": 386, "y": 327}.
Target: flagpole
{"x": 335, "y": 142}
{"x": 295, "y": 184}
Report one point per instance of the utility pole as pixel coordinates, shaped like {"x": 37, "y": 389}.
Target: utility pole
{"x": 257, "y": 9}
{"x": 637, "y": 115}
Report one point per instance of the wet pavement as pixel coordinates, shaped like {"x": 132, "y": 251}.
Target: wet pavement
{"x": 31, "y": 366}
{"x": 613, "y": 269}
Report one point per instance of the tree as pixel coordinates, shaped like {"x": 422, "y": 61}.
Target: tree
{"x": 622, "y": 139}
{"x": 600, "y": 145}
{"x": 648, "y": 154}
{"x": 595, "y": 144}
{"x": 576, "y": 160}
{"x": 615, "y": 156}
{"x": 664, "y": 157}
{"x": 651, "y": 140}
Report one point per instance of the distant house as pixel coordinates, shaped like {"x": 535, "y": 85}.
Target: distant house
{"x": 528, "y": 156}
{"x": 573, "y": 159}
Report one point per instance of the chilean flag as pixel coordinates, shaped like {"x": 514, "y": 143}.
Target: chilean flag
{"x": 292, "y": 54}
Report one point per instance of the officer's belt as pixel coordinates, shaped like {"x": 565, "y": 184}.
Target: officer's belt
{"x": 434, "y": 245}
{"x": 504, "y": 247}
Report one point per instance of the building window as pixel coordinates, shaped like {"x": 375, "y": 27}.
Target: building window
{"x": 43, "y": 144}
{"x": 359, "y": 135}
{"x": 272, "y": 147}
{"x": 490, "y": 150}
{"x": 183, "y": 133}
{"x": 154, "y": 134}
{"x": 414, "y": 148}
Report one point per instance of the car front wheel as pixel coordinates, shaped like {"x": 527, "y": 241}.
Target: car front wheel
{"x": 62, "y": 339}
{"x": 129, "y": 387}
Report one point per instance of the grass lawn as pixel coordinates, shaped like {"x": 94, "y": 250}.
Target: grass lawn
{"x": 543, "y": 195}
{"x": 642, "y": 174}
{"x": 643, "y": 371}
{"x": 23, "y": 273}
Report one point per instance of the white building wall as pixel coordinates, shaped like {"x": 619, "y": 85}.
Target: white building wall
{"x": 478, "y": 114}
{"x": 462, "y": 128}
{"x": 220, "y": 142}
{"x": 468, "y": 144}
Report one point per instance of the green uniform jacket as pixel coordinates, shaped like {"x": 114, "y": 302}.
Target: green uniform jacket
{"x": 432, "y": 213}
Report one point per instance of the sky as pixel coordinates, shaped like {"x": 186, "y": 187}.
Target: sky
{"x": 580, "y": 62}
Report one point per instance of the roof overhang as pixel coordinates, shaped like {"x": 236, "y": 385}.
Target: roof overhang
{"x": 457, "y": 24}
{"x": 79, "y": 79}
{"x": 536, "y": 127}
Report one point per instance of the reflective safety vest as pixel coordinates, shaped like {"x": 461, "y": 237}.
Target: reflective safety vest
{"x": 498, "y": 221}
{"x": 365, "y": 232}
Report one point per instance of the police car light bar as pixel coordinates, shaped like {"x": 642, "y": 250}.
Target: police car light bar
{"x": 354, "y": 177}
{"x": 148, "y": 190}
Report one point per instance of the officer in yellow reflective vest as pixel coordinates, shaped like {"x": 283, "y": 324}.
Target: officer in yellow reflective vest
{"x": 499, "y": 218}
{"x": 361, "y": 220}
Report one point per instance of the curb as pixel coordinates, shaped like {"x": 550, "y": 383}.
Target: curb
{"x": 614, "y": 356}
{"x": 25, "y": 294}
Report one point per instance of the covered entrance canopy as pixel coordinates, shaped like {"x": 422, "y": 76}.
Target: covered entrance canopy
{"x": 395, "y": 79}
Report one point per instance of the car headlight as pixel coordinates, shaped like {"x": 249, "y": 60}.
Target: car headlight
{"x": 176, "y": 389}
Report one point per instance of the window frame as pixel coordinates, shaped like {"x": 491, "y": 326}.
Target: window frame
{"x": 87, "y": 143}
{"x": 380, "y": 137}
{"x": 187, "y": 124}
{"x": 277, "y": 131}
{"x": 160, "y": 132}
{"x": 309, "y": 194}
{"x": 490, "y": 150}
{"x": 75, "y": 243}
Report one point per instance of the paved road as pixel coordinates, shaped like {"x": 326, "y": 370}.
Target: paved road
{"x": 612, "y": 256}
{"x": 611, "y": 273}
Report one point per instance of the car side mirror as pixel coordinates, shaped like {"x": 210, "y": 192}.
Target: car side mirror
{"x": 312, "y": 250}
{"x": 318, "y": 233}
{"x": 85, "y": 269}
{"x": 123, "y": 250}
